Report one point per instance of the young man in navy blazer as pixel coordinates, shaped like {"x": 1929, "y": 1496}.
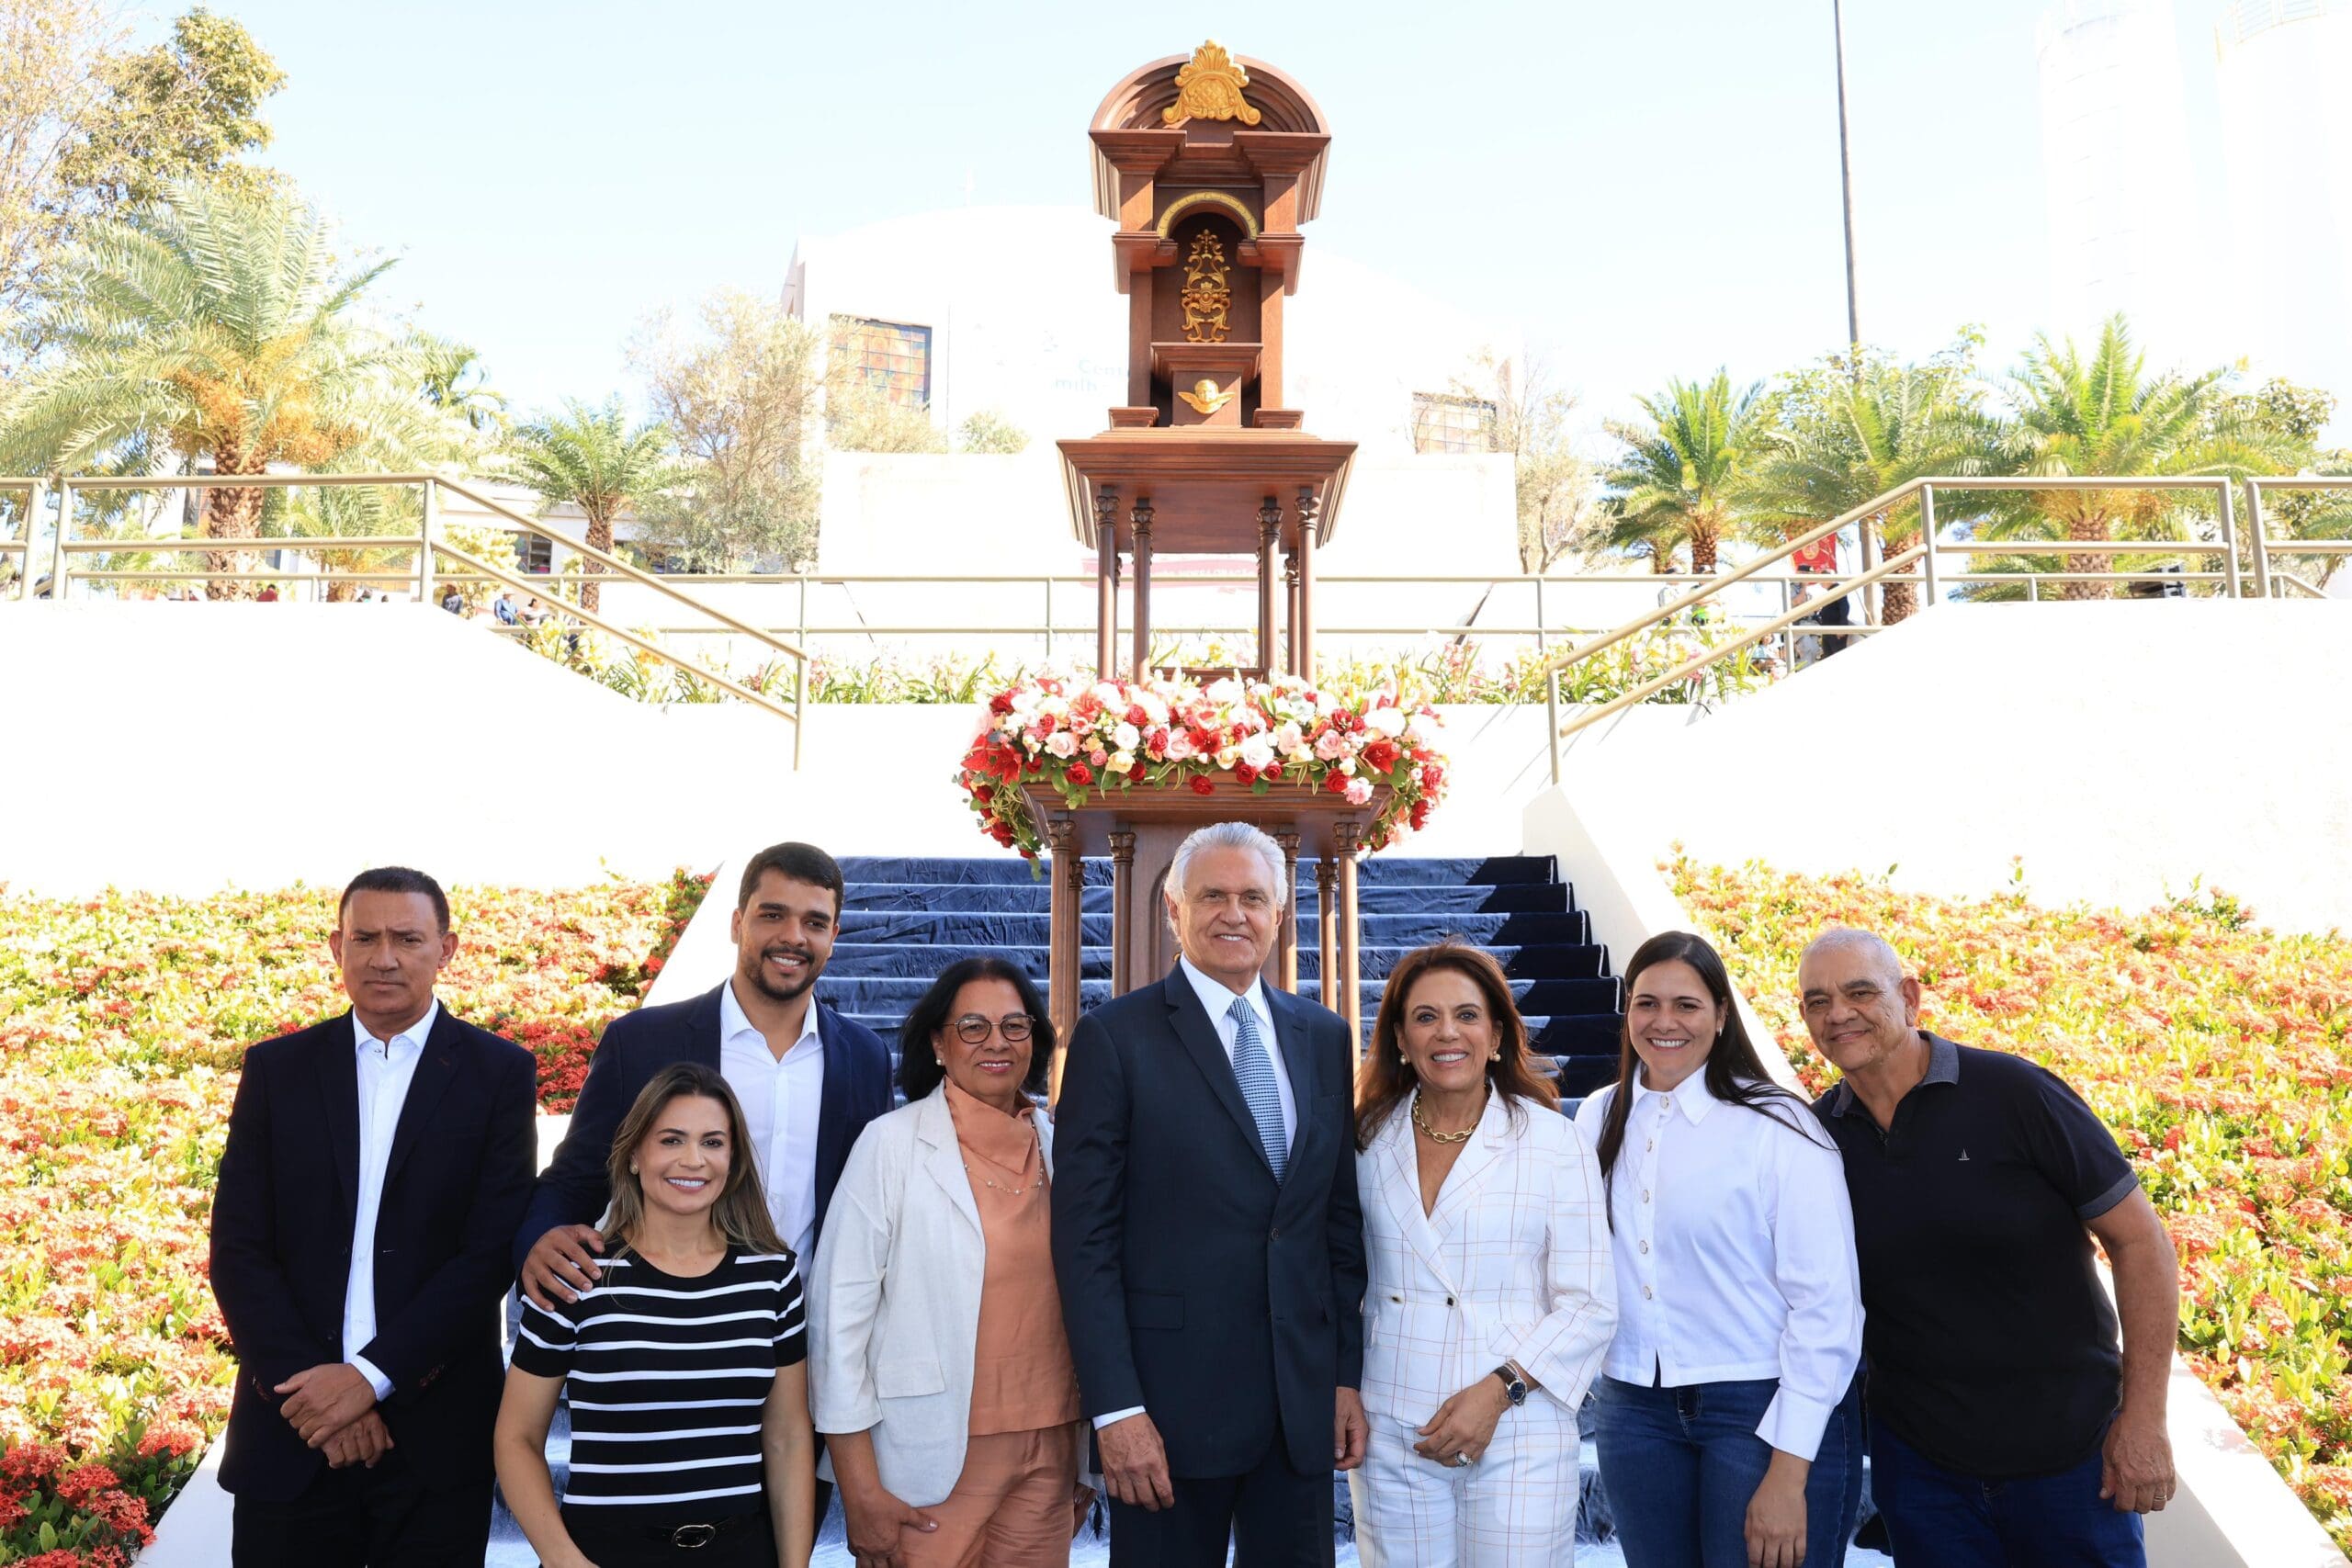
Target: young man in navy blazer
{"x": 1208, "y": 1241}
{"x": 809, "y": 1079}
{"x": 375, "y": 1169}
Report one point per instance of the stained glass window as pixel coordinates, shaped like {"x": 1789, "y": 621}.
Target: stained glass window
{"x": 891, "y": 355}
{"x": 1445, "y": 423}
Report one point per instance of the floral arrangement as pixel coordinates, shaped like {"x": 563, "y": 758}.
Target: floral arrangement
{"x": 125, "y": 1020}
{"x": 2219, "y": 1052}
{"x": 1103, "y": 738}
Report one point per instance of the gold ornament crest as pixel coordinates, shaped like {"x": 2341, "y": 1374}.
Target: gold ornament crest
{"x": 1210, "y": 88}
{"x": 1208, "y": 297}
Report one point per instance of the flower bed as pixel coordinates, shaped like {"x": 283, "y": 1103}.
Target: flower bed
{"x": 1110, "y": 737}
{"x": 125, "y": 1020}
{"x": 2217, "y": 1052}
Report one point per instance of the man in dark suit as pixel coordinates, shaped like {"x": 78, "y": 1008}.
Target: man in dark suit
{"x": 809, "y": 1079}
{"x": 376, "y": 1167}
{"x": 1206, "y": 1235}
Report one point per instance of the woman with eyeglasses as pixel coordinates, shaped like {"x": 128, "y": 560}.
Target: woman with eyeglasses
{"x": 942, "y": 1377}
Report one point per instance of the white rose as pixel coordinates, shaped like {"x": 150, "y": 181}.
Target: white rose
{"x": 1062, "y": 743}
{"x": 1054, "y": 705}
{"x": 1286, "y": 738}
{"x": 1155, "y": 706}
{"x": 1224, "y": 689}
{"x": 1121, "y": 761}
{"x": 1109, "y": 695}
{"x": 1259, "y": 752}
{"x": 1348, "y": 766}
{"x": 1126, "y": 737}
{"x": 1384, "y": 721}
{"x": 1179, "y": 745}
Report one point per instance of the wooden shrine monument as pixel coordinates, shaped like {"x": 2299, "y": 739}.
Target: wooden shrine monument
{"x": 1209, "y": 164}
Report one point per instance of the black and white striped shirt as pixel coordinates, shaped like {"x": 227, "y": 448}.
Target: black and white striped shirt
{"x": 667, "y": 1380}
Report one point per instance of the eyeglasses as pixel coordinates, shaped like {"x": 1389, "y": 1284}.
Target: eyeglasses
{"x": 973, "y": 1030}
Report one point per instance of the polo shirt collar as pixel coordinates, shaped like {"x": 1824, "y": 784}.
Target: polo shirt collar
{"x": 1943, "y": 1066}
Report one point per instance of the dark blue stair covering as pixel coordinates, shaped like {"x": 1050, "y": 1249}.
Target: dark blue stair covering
{"x": 907, "y": 918}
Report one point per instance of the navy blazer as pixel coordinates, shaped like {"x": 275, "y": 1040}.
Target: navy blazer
{"x": 457, "y": 1177}
{"x": 1191, "y": 1283}
{"x": 635, "y": 1045}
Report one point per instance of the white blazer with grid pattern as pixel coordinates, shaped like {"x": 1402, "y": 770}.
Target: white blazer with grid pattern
{"x": 1512, "y": 1264}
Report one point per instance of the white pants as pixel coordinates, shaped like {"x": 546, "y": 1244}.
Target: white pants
{"x": 1515, "y": 1508}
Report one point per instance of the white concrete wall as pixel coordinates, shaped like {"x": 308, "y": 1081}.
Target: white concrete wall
{"x": 2123, "y": 749}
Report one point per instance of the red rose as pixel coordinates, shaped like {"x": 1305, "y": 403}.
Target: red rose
{"x": 1157, "y": 742}
{"x": 1337, "y": 783}
{"x": 1136, "y": 717}
{"x": 1001, "y": 703}
{"x": 1201, "y": 784}
{"x": 1136, "y": 773}
{"x": 1433, "y": 776}
{"x": 1245, "y": 772}
{"x": 1380, "y": 755}
{"x": 1419, "y": 814}
{"x": 1081, "y": 775}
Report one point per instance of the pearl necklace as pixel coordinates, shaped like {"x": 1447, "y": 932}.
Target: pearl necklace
{"x": 1432, "y": 1134}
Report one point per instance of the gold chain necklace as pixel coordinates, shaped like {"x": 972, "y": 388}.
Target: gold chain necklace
{"x": 1432, "y": 1134}
{"x": 1036, "y": 1143}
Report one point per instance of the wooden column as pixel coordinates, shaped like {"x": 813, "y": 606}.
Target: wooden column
{"x": 1290, "y": 610}
{"x": 1141, "y": 520}
{"x": 1270, "y": 527}
{"x": 1123, "y": 893}
{"x": 1303, "y": 629}
{"x": 1347, "y": 835}
{"x": 1062, "y": 928}
{"x": 1286, "y": 937}
{"x": 1106, "y": 582}
{"x": 1326, "y": 928}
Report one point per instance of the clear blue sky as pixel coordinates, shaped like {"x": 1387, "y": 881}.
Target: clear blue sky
{"x": 1648, "y": 186}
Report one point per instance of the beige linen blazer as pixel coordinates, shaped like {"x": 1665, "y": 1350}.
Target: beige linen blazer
{"x": 894, "y": 1299}
{"x": 1513, "y": 1264}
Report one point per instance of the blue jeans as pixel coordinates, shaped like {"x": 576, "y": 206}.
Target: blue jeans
{"x": 1940, "y": 1519}
{"x": 1680, "y": 1464}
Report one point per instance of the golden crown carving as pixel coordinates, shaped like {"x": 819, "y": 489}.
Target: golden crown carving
{"x": 1210, "y": 88}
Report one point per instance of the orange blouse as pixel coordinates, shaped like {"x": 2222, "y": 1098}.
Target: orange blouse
{"x": 1022, "y": 1375}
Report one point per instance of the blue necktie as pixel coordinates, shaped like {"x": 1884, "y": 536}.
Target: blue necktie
{"x": 1256, "y": 1071}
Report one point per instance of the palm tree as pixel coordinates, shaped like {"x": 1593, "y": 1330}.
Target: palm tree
{"x": 1846, "y": 434}
{"x": 219, "y": 323}
{"x": 1674, "y": 486}
{"x": 591, "y": 457}
{"x": 2105, "y": 414}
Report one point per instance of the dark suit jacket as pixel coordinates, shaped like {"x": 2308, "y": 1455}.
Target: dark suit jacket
{"x": 1192, "y": 1284}
{"x": 456, "y": 1182}
{"x": 635, "y": 1045}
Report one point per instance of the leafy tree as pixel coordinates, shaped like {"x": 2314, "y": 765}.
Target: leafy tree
{"x": 1676, "y": 484}
{"x": 860, "y": 416}
{"x": 452, "y": 378}
{"x": 222, "y": 325}
{"x": 593, "y": 458}
{"x": 1843, "y": 434}
{"x": 991, "y": 431}
{"x": 2299, "y": 414}
{"x": 180, "y": 110}
{"x": 91, "y": 130}
{"x": 2104, "y": 414}
{"x": 740, "y": 399}
{"x": 1558, "y": 491}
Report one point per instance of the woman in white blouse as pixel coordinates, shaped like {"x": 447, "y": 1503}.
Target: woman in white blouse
{"x": 1727, "y": 1423}
{"x": 1489, "y": 1301}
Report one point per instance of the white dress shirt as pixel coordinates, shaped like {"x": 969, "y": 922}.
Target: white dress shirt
{"x": 781, "y": 1098}
{"x": 1216, "y": 997}
{"x": 1734, "y": 1242}
{"x": 385, "y": 1069}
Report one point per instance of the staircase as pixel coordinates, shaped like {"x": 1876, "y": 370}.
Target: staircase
{"x": 908, "y": 919}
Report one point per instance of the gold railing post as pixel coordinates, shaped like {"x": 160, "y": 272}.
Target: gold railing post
{"x": 35, "y": 494}
{"x": 1929, "y": 587}
{"x": 800, "y": 670}
{"x": 424, "y": 552}
{"x": 58, "y": 567}
{"x": 2229, "y": 523}
{"x": 2255, "y": 532}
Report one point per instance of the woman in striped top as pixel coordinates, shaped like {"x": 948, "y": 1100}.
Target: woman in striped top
{"x": 685, "y": 1362}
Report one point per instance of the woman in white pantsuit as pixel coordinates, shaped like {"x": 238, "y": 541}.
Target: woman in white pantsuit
{"x": 1491, "y": 1298}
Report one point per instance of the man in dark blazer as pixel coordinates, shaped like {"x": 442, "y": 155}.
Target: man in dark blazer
{"x": 375, "y": 1169}
{"x": 1206, "y": 1236}
{"x": 809, "y": 1078}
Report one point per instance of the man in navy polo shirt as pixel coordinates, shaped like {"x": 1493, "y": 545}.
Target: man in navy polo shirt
{"x": 2007, "y": 1428}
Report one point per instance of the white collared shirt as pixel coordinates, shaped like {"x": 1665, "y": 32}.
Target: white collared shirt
{"x": 1734, "y": 1242}
{"x": 386, "y": 1070}
{"x": 1217, "y": 996}
{"x": 780, "y": 1100}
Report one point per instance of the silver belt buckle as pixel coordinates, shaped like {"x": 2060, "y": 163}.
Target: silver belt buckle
{"x": 692, "y": 1538}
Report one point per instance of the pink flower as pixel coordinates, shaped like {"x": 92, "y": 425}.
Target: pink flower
{"x": 1358, "y": 792}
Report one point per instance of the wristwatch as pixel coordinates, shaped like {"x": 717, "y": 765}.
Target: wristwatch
{"x": 1514, "y": 1385}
